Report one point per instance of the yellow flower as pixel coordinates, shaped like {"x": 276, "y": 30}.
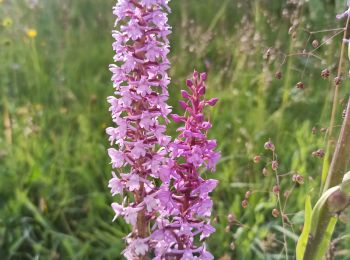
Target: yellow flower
{"x": 7, "y": 22}
{"x": 32, "y": 33}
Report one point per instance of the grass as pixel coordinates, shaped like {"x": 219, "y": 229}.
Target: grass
{"x": 54, "y": 201}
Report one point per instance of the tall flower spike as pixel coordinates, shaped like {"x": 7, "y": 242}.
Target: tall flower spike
{"x": 140, "y": 112}
{"x": 184, "y": 222}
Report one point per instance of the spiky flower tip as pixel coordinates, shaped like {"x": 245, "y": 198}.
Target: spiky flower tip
{"x": 184, "y": 222}
{"x": 139, "y": 111}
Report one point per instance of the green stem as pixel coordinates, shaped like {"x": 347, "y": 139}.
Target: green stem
{"x": 335, "y": 175}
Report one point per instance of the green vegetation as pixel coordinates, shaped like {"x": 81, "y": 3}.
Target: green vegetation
{"x": 54, "y": 169}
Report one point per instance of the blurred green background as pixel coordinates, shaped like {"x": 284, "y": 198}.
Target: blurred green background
{"x": 54, "y": 80}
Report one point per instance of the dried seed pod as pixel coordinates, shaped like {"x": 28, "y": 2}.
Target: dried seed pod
{"x": 325, "y": 73}
{"x": 315, "y": 43}
{"x": 278, "y": 75}
{"x": 337, "y": 80}
{"x": 300, "y": 85}
{"x": 275, "y": 213}
{"x": 319, "y": 153}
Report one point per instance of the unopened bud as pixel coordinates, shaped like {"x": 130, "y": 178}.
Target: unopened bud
{"x": 265, "y": 171}
{"x": 276, "y": 189}
{"x": 274, "y": 165}
{"x": 269, "y": 145}
{"x": 231, "y": 218}
{"x": 212, "y": 101}
{"x": 247, "y": 194}
{"x": 185, "y": 94}
{"x": 298, "y": 179}
{"x": 257, "y": 158}
{"x": 232, "y": 246}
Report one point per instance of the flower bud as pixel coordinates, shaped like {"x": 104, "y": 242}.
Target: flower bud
{"x": 276, "y": 189}
{"x": 269, "y": 145}
{"x": 257, "y": 158}
{"x": 274, "y": 165}
{"x": 185, "y": 94}
{"x": 201, "y": 91}
{"x": 244, "y": 203}
{"x": 231, "y": 218}
{"x": 183, "y": 104}
{"x": 298, "y": 179}
{"x": 212, "y": 102}
{"x": 189, "y": 83}
{"x": 176, "y": 118}
{"x": 265, "y": 171}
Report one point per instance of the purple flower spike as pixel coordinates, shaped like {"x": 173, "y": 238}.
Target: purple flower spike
{"x": 140, "y": 112}
{"x": 184, "y": 220}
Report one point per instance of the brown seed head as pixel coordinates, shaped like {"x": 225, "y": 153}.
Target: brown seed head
{"x": 325, "y": 73}
{"x": 278, "y": 75}
{"x": 315, "y": 43}
{"x": 275, "y": 213}
{"x": 337, "y": 80}
{"x": 300, "y": 85}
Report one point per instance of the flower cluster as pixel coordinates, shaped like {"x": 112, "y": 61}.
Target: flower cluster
{"x": 184, "y": 221}
{"x": 139, "y": 111}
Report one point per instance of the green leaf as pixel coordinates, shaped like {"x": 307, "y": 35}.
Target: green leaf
{"x": 303, "y": 239}
{"x": 326, "y": 239}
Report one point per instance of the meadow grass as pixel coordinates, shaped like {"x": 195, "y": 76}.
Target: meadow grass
{"x": 54, "y": 200}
